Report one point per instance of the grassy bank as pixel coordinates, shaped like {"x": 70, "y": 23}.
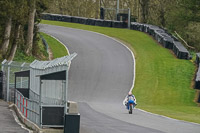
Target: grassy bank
{"x": 58, "y": 50}
{"x": 56, "y": 47}
{"x": 39, "y": 53}
{"x": 163, "y": 82}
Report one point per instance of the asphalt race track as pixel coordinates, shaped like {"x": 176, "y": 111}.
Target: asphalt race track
{"x": 99, "y": 79}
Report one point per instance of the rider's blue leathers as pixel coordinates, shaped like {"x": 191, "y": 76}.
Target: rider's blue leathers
{"x": 130, "y": 100}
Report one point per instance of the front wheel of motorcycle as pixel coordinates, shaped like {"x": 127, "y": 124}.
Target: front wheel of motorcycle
{"x": 130, "y": 109}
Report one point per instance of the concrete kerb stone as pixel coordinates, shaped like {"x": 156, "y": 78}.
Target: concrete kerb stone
{"x": 24, "y": 120}
{"x": 32, "y": 125}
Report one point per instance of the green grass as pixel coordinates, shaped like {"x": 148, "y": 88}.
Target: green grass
{"x": 20, "y": 56}
{"x": 163, "y": 82}
{"x": 38, "y": 52}
{"x": 56, "y": 47}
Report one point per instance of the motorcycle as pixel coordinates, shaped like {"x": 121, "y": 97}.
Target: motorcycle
{"x": 131, "y": 106}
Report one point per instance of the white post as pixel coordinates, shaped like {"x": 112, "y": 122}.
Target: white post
{"x": 40, "y": 101}
{"x": 21, "y": 70}
{"x": 8, "y": 82}
{"x": 2, "y": 64}
{"x": 117, "y": 6}
{"x": 66, "y": 89}
{"x": 129, "y": 18}
{"x": 117, "y": 11}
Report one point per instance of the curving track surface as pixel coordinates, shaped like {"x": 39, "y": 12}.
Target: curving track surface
{"x": 99, "y": 79}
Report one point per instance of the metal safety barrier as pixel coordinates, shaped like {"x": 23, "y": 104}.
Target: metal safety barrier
{"x": 29, "y": 108}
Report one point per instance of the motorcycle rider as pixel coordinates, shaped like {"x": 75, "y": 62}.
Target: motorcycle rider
{"x": 130, "y": 96}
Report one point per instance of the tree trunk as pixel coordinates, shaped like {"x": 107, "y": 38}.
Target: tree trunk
{"x": 29, "y": 40}
{"x": 144, "y": 10}
{"x": 162, "y": 12}
{"x": 5, "y": 44}
{"x": 15, "y": 42}
{"x": 97, "y": 12}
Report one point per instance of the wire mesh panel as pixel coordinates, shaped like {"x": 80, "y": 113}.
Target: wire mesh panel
{"x": 9, "y": 68}
{"x": 52, "y": 92}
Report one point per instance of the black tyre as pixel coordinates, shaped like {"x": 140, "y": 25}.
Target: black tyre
{"x": 130, "y": 109}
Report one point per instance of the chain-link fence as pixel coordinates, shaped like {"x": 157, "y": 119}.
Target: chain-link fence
{"x": 9, "y": 68}
{"x": 39, "y": 89}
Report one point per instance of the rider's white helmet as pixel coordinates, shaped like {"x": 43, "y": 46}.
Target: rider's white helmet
{"x": 130, "y": 93}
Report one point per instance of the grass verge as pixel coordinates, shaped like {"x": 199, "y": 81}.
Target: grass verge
{"x": 163, "y": 82}
{"x": 56, "y": 47}
{"x": 40, "y": 52}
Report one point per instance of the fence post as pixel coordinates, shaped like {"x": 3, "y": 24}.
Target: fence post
{"x": 2, "y": 64}
{"x": 21, "y": 70}
{"x": 20, "y": 104}
{"x": 129, "y": 18}
{"x": 117, "y": 9}
{"x": 40, "y": 103}
{"x": 26, "y": 107}
{"x": 8, "y": 82}
{"x": 23, "y": 106}
{"x": 17, "y": 98}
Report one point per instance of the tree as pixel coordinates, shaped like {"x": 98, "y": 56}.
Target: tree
{"x": 29, "y": 39}
{"x": 191, "y": 10}
{"x": 15, "y": 42}
{"x": 18, "y": 22}
{"x": 18, "y": 19}
{"x": 97, "y": 9}
{"x": 190, "y": 16}
{"x": 6, "y": 39}
{"x": 144, "y": 4}
{"x": 6, "y": 12}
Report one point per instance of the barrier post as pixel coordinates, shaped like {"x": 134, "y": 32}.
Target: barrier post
{"x": 26, "y": 107}
{"x": 23, "y": 106}
{"x": 20, "y": 103}
{"x": 17, "y": 99}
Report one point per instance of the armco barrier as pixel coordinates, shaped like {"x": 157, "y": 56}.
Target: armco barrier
{"x": 164, "y": 38}
{"x": 57, "y": 17}
{"x": 180, "y": 51}
{"x": 107, "y": 23}
{"x": 152, "y": 29}
{"x": 159, "y": 34}
{"x": 82, "y": 20}
{"x": 99, "y": 22}
{"x": 117, "y": 24}
{"x": 67, "y": 18}
{"x": 197, "y": 58}
{"x": 90, "y": 21}
{"x": 146, "y": 28}
{"x": 75, "y": 19}
{"x": 197, "y": 80}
